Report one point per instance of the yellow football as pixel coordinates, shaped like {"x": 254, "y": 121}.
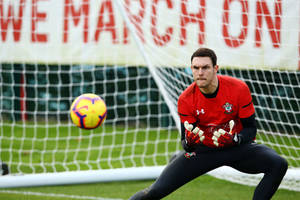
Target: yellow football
{"x": 88, "y": 111}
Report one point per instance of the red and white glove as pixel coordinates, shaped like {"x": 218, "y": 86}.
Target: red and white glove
{"x": 193, "y": 136}
{"x": 222, "y": 138}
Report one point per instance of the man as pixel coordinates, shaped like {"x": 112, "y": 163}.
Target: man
{"x": 218, "y": 129}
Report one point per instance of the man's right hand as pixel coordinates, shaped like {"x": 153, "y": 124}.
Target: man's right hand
{"x": 193, "y": 136}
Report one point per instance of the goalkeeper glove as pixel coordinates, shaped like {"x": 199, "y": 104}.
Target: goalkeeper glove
{"x": 193, "y": 136}
{"x": 222, "y": 138}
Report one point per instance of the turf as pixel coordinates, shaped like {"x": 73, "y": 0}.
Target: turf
{"x": 204, "y": 187}
{"x": 50, "y": 142}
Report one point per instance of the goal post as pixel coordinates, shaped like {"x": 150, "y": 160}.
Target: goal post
{"x": 135, "y": 54}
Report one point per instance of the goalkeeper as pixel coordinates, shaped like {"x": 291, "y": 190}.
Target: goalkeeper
{"x": 218, "y": 129}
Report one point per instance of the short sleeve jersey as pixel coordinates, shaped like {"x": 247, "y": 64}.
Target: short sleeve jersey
{"x": 232, "y": 102}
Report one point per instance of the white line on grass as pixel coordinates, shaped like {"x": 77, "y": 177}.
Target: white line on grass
{"x": 55, "y": 195}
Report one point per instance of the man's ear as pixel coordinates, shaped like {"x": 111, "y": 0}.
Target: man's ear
{"x": 216, "y": 67}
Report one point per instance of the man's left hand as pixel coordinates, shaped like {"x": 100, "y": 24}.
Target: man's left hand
{"x": 223, "y": 138}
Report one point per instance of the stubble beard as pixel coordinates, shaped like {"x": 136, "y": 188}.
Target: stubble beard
{"x": 202, "y": 83}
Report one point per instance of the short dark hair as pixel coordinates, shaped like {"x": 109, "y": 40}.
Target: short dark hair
{"x": 205, "y": 52}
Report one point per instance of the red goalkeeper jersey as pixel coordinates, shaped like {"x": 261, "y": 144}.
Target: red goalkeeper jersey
{"x": 232, "y": 102}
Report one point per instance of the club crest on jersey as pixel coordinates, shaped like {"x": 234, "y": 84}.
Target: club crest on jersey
{"x": 228, "y": 108}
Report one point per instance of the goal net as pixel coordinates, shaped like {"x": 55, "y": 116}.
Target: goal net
{"x": 135, "y": 54}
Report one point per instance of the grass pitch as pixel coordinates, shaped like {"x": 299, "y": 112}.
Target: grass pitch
{"x": 27, "y": 147}
{"x": 204, "y": 187}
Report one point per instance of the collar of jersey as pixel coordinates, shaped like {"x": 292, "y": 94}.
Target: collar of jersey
{"x": 214, "y": 94}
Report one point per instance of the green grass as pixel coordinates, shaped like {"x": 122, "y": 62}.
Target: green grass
{"x": 51, "y": 141}
{"x": 204, "y": 187}
{"x": 50, "y": 144}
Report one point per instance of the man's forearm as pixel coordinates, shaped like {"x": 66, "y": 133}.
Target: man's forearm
{"x": 248, "y": 133}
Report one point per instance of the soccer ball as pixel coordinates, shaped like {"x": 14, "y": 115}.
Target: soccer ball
{"x": 88, "y": 111}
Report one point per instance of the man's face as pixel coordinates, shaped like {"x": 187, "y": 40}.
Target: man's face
{"x": 203, "y": 71}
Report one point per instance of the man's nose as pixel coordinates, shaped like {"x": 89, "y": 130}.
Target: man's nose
{"x": 200, "y": 71}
